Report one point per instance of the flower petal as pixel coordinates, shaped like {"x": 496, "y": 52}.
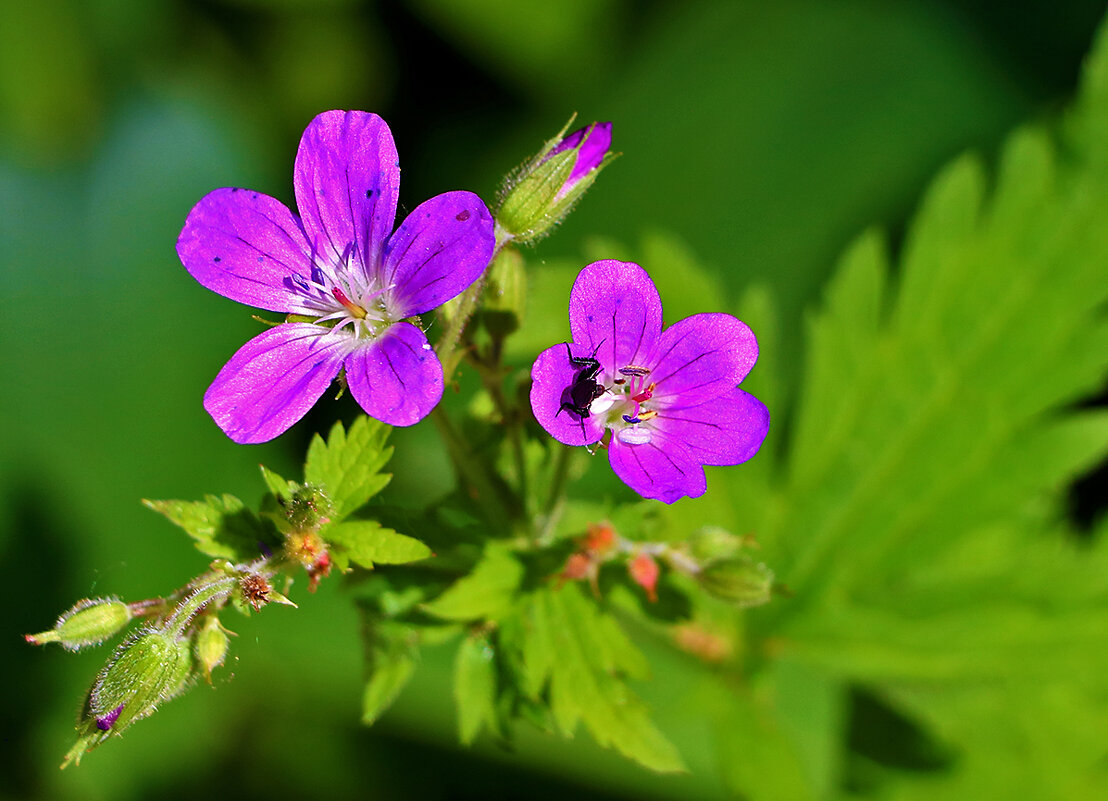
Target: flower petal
{"x": 551, "y": 378}
{"x": 274, "y": 379}
{"x": 347, "y": 179}
{"x": 439, "y": 250}
{"x": 245, "y": 246}
{"x": 615, "y": 305}
{"x": 660, "y": 469}
{"x": 701, "y": 357}
{"x": 723, "y": 431}
{"x": 396, "y": 378}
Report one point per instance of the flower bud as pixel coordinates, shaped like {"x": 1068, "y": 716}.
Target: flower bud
{"x": 505, "y": 294}
{"x": 740, "y": 581}
{"x": 712, "y": 542}
{"x": 211, "y": 646}
{"x": 544, "y": 190}
{"x": 644, "y": 571}
{"x": 89, "y": 622}
{"x": 146, "y": 670}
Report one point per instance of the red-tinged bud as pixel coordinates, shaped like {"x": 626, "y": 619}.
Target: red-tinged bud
{"x": 320, "y": 570}
{"x": 578, "y": 566}
{"x": 644, "y": 571}
{"x": 600, "y": 539}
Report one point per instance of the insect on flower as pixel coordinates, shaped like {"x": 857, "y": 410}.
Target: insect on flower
{"x": 580, "y": 394}
{"x": 669, "y": 397}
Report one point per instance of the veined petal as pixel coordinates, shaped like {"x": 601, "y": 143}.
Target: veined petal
{"x": 615, "y": 305}
{"x": 245, "y": 246}
{"x": 551, "y": 378}
{"x": 723, "y": 431}
{"x": 347, "y": 178}
{"x": 396, "y": 378}
{"x": 439, "y": 250}
{"x": 660, "y": 469}
{"x": 701, "y": 357}
{"x": 274, "y": 379}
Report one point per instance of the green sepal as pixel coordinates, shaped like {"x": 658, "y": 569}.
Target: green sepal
{"x": 211, "y": 646}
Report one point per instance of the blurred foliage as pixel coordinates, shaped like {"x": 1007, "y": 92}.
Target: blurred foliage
{"x": 943, "y": 636}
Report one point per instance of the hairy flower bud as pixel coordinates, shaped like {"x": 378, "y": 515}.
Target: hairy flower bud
{"x": 545, "y": 189}
{"x": 211, "y": 646}
{"x": 89, "y": 622}
{"x": 740, "y": 581}
{"x": 712, "y": 542}
{"x": 150, "y": 667}
{"x": 505, "y": 294}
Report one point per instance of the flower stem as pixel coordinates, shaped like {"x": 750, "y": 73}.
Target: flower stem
{"x": 218, "y": 588}
{"x": 447, "y": 346}
{"x": 556, "y": 499}
{"x": 473, "y": 474}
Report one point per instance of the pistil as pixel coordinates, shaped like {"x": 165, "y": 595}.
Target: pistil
{"x": 356, "y": 311}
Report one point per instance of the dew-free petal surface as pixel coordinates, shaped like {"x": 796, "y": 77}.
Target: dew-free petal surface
{"x": 274, "y": 379}
{"x": 615, "y": 305}
{"x": 440, "y": 249}
{"x": 245, "y": 245}
{"x": 347, "y": 179}
{"x": 660, "y": 469}
{"x": 397, "y": 378}
{"x": 701, "y": 357}
{"x": 723, "y": 431}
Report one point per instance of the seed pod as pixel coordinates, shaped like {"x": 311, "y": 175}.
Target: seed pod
{"x": 89, "y": 622}
{"x": 740, "y": 581}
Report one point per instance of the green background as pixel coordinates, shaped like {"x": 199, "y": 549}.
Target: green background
{"x": 764, "y": 136}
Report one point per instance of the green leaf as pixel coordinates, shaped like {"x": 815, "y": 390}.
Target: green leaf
{"x": 485, "y": 594}
{"x": 220, "y": 526}
{"x": 347, "y": 466}
{"x": 279, "y": 486}
{"x": 567, "y": 645}
{"x": 475, "y": 687}
{"x": 391, "y": 658}
{"x": 367, "y": 542}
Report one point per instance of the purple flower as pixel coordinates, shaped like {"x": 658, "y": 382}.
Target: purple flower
{"x": 669, "y": 397}
{"x": 592, "y": 144}
{"x": 342, "y": 270}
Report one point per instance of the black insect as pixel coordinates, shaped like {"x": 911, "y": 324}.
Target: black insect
{"x": 584, "y": 389}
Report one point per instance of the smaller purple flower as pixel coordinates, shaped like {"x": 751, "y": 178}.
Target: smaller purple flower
{"x": 670, "y": 398}
{"x": 347, "y": 280}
